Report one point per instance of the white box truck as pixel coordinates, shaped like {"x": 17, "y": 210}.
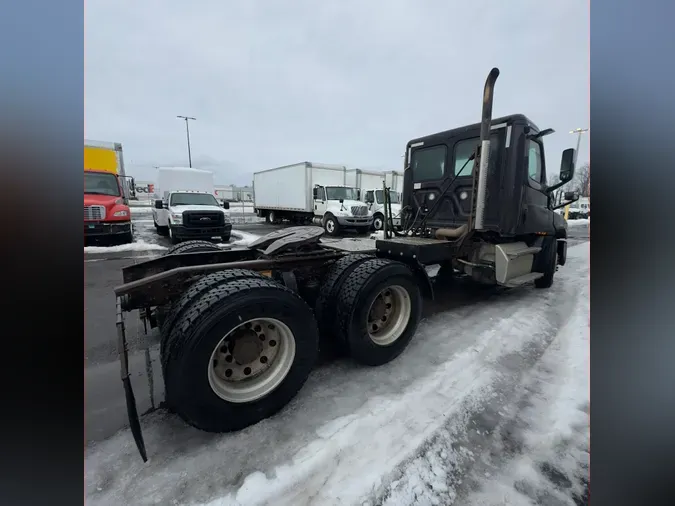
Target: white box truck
{"x": 370, "y": 184}
{"x": 187, "y": 208}
{"x": 309, "y": 192}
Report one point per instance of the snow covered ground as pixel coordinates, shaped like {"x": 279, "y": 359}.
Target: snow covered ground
{"x": 488, "y": 405}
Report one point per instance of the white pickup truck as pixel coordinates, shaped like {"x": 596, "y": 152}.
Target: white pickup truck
{"x": 191, "y": 215}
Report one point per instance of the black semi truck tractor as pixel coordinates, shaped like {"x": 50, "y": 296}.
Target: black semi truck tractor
{"x": 240, "y": 327}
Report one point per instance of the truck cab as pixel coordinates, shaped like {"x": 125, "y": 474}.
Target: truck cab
{"x": 374, "y": 198}
{"x": 106, "y": 209}
{"x": 339, "y": 207}
{"x": 189, "y": 214}
{"x": 499, "y": 227}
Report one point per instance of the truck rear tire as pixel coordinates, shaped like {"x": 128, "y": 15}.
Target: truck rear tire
{"x": 331, "y": 284}
{"x": 239, "y": 354}
{"x": 272, "y": 217}
{"x": 547, "y": 262}
{"x": 171, "y": 313}
{"x": 163, "y": 313}
{"x": 331, "y": 225}
{"x": 378, "y": 309}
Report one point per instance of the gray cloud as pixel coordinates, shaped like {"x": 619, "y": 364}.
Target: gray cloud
{"x": 273, "y": 82}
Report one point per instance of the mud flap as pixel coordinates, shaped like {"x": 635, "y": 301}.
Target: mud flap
{"x": 132, "y": 412}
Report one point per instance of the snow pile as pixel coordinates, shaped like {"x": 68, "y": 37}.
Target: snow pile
{"x": 242, "y": 238}
{"x": 553, "y": 467}
{"x": 578, "y": 223}
{"x": 140, "y": 210}
{"x": 538, "y": 454}
{"x": 138, "y": 245}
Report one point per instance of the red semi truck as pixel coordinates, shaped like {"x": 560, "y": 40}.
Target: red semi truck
{"x": 106, "y": 192}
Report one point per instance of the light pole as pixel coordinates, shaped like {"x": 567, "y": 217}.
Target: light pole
{"x": 187, "y": 129}
{"x": 578, "y": 131}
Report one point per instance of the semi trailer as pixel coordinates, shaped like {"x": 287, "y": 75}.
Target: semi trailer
{"x": 310, "y": 192}
{"x": 240, "y": 327}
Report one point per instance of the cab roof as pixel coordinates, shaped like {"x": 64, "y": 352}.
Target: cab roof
{"x": 460, "y": 131}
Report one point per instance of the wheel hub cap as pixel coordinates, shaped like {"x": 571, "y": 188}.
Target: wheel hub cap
{"x": 246, "y": 347}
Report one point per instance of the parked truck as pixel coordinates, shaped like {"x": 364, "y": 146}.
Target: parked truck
{"x": 369, "y": 185}
{"x": 106, "y": 192}
{"x": 187, "y": 207}
{"x": 309, "y": 192}
{"x": 374, "y": 199}
{"x": 240, "y": 328}
{"x": 580, "y": 209}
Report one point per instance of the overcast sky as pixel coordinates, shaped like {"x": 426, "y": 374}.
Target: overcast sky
{"x": 273, "y": 82}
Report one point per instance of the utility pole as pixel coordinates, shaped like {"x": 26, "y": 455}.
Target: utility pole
{"x": 187, "y": 129}
{"x": 578, "y": 131}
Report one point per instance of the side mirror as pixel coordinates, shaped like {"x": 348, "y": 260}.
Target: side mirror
{"x": 571, "y": 195}
{"x": 342, "y": 201}
{"x": 226, "y": 205}
{"x": 567, "y": 165}
{"x": 158, "y": 204}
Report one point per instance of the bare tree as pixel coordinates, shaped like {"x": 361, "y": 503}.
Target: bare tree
{"x": 582, "y": 180}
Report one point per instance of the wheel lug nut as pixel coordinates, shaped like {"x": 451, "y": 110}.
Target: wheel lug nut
{"x": 223, "y": 349}
{"x": 228, "y": 373}
{"x": 384, "y": 318}
{"x": 262, "y": 337}
{"x": 270, "y": 326}
{"x": 247, "y": 371}
{"x": 257, "y": 328}
{"x": 263, "y": 359}
{"x": 228, "y": 358}
{"x": 273, "y": 342}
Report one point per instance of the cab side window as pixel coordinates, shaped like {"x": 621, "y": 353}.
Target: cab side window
{"x": 369, "y": 196}
{"x": 534, "y": 166}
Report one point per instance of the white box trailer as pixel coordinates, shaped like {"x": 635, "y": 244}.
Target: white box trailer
{"x": 225, "y": 192}
{"x": 365, "y": 179}
{"x": 394, "y": 180}
{"x": 170, "y": 179}
{"x": 305, "y": 192}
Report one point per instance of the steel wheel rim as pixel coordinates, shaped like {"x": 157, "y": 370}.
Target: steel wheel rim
{"x": 330, "y": 226}
{"x": 258, "y": 354}
{"x": 378, "y": 223}
{"x": 388, "y": 315}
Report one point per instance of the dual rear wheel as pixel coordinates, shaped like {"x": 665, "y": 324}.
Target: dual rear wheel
{"x": 238, "y": 346}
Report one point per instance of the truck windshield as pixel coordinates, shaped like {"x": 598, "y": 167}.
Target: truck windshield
{"x": 97, "y": 183}
{"x": 340, "y": 192}
{"x": 193, "y": 199}
{"x": 379, "y": 196}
